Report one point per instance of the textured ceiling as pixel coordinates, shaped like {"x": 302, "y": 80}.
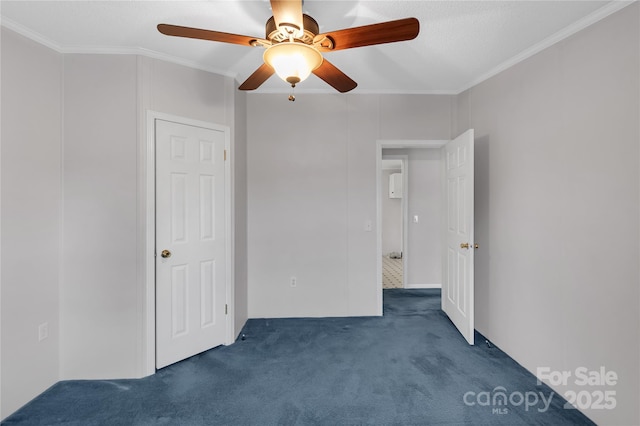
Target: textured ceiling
{"x": 460, "y": 42}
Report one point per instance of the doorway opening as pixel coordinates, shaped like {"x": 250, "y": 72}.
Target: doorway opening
{"x": 394, "y": 201}
{"x": 451, "y": 235}
{"x": 413, "y": 209}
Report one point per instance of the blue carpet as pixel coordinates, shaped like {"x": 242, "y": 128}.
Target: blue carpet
{"x": 410, "y": 367}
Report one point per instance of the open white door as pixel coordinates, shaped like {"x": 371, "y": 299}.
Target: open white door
{"x": 190, "y": 241}
{"x": 457, "y": 286}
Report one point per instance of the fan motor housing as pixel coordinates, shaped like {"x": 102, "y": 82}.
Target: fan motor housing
{"x": 311, "y": 29}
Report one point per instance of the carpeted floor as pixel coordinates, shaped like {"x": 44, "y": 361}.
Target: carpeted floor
{"x": 410, "y": 367}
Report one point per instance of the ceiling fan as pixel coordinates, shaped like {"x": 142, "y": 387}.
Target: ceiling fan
{"x": 294, "y": 44}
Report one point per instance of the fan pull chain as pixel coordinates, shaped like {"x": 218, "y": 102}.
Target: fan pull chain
{"x": 292, "y": 96}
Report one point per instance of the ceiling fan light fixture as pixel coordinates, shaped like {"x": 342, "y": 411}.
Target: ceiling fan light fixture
{"x": 293, "y": 61}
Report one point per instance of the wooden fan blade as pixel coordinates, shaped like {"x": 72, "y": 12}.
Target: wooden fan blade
{"x": 288, "y": 13}
{"x": 368, "y": 35}
{"x": 334, "y": 77}
{"x": 178, "y": 31}
{"x": 258, "y": 77}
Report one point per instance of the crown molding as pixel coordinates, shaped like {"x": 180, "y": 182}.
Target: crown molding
{"x": 107, "y": 50}
{"x": 30, "y": 34}
{"x": 566, "y": 32}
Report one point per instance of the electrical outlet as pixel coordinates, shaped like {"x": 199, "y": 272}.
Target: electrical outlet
{"x": 294, "y": 282}
{"x": 43, "y": 331}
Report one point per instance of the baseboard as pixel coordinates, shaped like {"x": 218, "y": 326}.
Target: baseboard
{"x": 415, "y": 286}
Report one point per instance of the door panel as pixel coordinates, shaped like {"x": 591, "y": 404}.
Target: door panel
{"x": 458, "y": 290}
{"x": 191, "y": 282}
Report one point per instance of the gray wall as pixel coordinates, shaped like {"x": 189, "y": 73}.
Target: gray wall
{"x": 101, "y": 295}
{"x": 312, "y": 187}
{"x": 557, "y": 207}
{"x": 31, "y": 203}
{"x": 73, "y": 141}
{"x": 99, "y": 299}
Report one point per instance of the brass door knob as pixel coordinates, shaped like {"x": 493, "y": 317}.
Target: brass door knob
{"x": 464, "y": 245}
{"x": 165, "y": 253}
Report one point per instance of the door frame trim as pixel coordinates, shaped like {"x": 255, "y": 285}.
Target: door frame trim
{"x": 148, "y": 176}
{"x": 394, "y": 144}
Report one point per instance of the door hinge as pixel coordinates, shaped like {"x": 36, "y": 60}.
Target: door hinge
{"x": 226, "y": 309}
{"x": 225, "y": 155}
